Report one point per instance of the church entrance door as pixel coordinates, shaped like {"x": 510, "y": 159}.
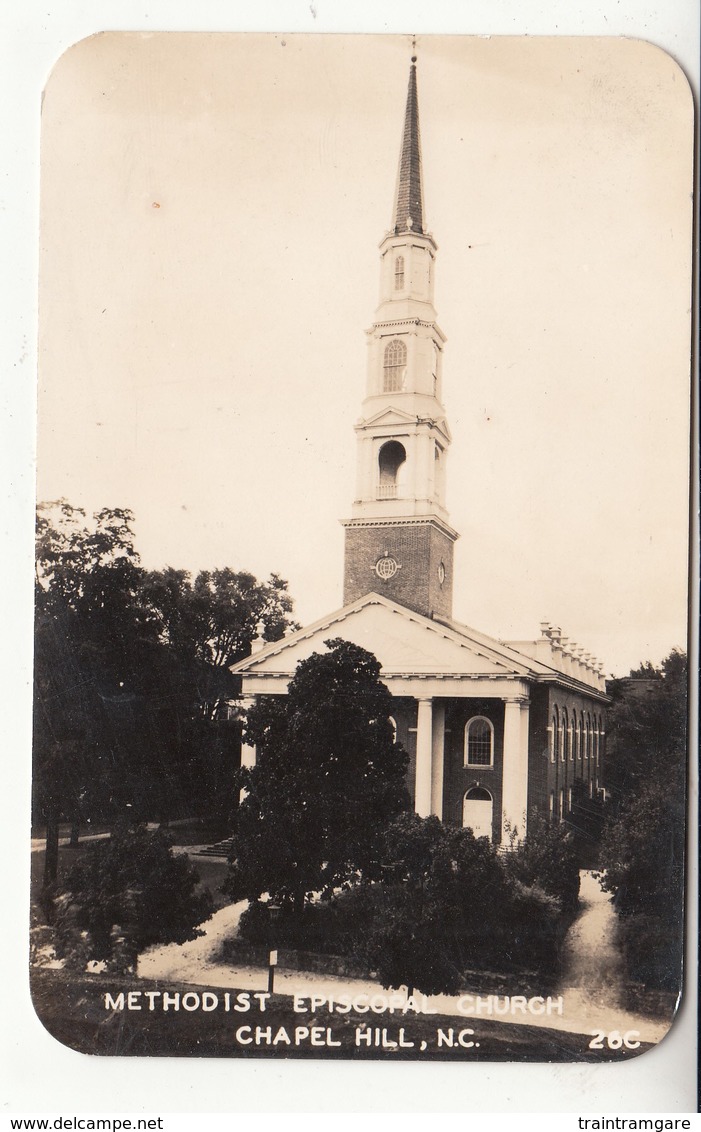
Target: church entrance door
{"x": 477, "y": 812}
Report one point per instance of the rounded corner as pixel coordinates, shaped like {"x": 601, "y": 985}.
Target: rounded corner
{"x": 55, "y": 1032}
{"x": 68, "y": 52}
{"x": 664, "y": 55}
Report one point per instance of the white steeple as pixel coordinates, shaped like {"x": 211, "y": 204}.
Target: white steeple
{"x": 403, "y": 435}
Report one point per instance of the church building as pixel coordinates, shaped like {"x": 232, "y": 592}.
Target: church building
{"x": 495, "y": 730}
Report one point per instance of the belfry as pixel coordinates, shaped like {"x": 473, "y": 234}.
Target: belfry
{"x": 399, "y": 538}
{"x": 496, "y": 731}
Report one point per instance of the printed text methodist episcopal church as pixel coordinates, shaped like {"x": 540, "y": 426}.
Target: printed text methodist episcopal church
{"x": 495, "y": 730}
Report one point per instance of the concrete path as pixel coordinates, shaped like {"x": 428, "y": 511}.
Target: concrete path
{"x": 588, "y": 993}
{"x": 593, "y": 970}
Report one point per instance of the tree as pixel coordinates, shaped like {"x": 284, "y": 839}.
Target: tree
{"x": 93, "y": 653}
{"x": 429, "y": 909}
{"x": 209, "y": 622}
{"x": 329, "y": 778}
{"x": 127, "y": 893}
{"x": 449, "y": 902}
{"x": 204, "y": 625}
{"x": 131, "y": 672}
{"x": 647, "y": 726}
{"x": 642, "y": 849}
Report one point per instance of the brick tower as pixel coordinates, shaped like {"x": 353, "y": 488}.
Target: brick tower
{"x": 398, "y": 541}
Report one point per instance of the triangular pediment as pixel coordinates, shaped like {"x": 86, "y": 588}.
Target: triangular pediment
{"x": 405, "y": 643}
{"x": 392, "y": 417}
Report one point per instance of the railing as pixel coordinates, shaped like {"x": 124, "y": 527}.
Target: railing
{"x": 387, "y": 491}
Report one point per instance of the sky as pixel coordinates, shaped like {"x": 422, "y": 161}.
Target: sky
{"x": 211, "y": 207}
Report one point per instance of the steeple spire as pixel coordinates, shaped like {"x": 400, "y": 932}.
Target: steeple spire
{"x": 399, "y": 541}
{"x": 409, "y": 202}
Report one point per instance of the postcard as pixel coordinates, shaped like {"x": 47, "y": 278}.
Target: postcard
{"x": 360, "y": 724}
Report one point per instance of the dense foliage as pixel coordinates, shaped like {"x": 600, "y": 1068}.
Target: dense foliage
{"x": 446, "y": 902}
{"x": 128, "y": 892}
{"x": 329, "y": 778}
{"x": 642, "y": 850}
{"x": 131, "y": 672}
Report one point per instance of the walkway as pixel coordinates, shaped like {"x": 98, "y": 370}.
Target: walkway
{"x": 589, "y": 987}
{"x": 593, "y": 972}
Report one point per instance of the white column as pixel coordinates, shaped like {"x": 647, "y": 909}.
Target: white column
{"x": 424, "y": 750}
{"x": 515, "y": 770}
{"x": 437, "y": 755}
{"x": 248, "y": 750}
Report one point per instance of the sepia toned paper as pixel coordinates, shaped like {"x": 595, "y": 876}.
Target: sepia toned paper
{"x": 211, "y": 210}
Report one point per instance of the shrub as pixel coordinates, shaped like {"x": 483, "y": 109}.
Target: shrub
{"x": 447, "y": 902}
{"x": 547, "y": 857}
{"x": 653, "y": 949}
{"x": 128, "y": 892}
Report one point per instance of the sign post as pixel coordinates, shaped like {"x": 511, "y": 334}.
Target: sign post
{"x": 272, "y": 964}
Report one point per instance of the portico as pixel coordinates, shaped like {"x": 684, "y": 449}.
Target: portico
{"x": 463, "y": 706}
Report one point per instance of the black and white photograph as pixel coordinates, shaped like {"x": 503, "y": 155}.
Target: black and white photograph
{"x": 362, "y": 547}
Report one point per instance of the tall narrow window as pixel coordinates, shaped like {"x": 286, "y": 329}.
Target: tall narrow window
{"x": 437, "y": 472}
{"x": 479, "y": 742}
{"x": 399, "y": 273}
{"x": 394, "y": 369}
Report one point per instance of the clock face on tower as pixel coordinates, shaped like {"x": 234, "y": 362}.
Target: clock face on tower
{"x": 386, "y": 567}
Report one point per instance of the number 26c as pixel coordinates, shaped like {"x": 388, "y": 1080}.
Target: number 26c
{"x": 614, "y": 1039}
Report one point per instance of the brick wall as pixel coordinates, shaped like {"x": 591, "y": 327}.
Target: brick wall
{"x": 419, "y": 548}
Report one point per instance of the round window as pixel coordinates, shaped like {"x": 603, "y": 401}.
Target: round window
{"x": 386, "y": 568}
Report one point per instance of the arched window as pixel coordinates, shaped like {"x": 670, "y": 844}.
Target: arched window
{"x": 587, "y": 732}
{"x": 479, "y": 742}
{"x": 399, "y": 273}
{"x": 394, "y": 727}
{"x": 571, "y": 738}
{"x": 579, "y": 738}
{"x": 394, "y": 368}
{"x": 477, "y": 809}
{"x": 597, "y": 741}
{"x": 553, "y": 736}
{"x": 563, "y": 736}
{"x": 437, "y": 471}
{"x": 391, "y": 456}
